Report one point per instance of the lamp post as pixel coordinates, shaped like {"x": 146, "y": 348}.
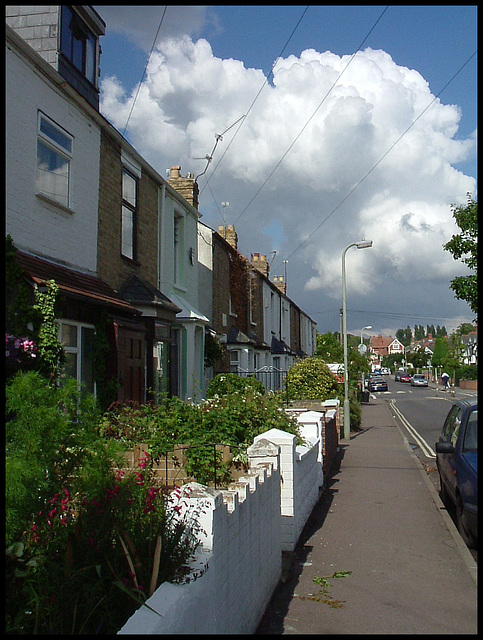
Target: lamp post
{"x": 363, "y": 244}
{"x": 363, "y": 329}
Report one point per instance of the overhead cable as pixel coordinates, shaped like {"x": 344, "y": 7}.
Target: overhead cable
{"x": 256, "y": 97}
{"x": 144, "y": 72}
{"x": 383, "y": 156}
{"x": 313, "y": 114}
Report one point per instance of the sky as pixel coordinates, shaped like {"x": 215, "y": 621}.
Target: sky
{"x": 326, "y": 125}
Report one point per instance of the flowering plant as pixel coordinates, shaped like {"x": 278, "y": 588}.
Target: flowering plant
{"x": 19, "y": 353}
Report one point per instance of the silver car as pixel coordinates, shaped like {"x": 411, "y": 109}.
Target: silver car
{"x": 419, "y": 380}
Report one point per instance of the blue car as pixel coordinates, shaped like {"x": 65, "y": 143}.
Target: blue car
{"x": 457, "y": 462}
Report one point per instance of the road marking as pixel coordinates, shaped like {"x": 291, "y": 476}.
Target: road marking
{"x": 423, "y": 445}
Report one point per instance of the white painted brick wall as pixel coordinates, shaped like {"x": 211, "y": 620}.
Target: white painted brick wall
{"x": 35, "y": 225}
{"x": 247, "y": 527}
{"x": 243, "y": 551}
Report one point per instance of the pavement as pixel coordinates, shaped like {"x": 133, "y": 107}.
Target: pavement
{"x": 379, "y": 553}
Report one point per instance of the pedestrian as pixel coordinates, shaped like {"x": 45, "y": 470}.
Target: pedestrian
{"x": 445, "y": 379}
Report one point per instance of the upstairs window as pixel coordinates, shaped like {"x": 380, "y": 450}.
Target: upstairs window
{"x": 129, "y": 215}
{"x": 78, "y": 43}
{"x": 54, "y": 154}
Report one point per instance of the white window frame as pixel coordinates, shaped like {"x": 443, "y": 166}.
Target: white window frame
{"x": 77, "y": 349}
{"x": 59, "y": 145}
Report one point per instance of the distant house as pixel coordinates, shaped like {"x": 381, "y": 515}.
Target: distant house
{"x": 263, "y": 331}
{"x": 381, "y": 346}
{"x": 470, "y": 342}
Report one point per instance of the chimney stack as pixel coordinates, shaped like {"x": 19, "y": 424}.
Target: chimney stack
{"x": 229, "y": 234}
{"x": 260, "y": 263}
{"x": 186, "y": 187}
{"x": 281, "y": 285}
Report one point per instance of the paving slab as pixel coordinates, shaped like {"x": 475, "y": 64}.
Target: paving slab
{"x": 379, "y": 527}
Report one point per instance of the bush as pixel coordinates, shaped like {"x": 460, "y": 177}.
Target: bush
{"x": 226, "y": 383}
{"x": 311, "y": 379}
{"x": 86, "y": 545}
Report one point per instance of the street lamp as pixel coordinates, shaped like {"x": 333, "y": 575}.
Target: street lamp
{"x": 363, "y": 329}
{"x": 363, "y": 244}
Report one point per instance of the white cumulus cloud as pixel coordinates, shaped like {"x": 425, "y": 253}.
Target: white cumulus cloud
{"x": 330, "y": 147}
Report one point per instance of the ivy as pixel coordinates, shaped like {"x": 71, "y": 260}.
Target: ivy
{"x": 49, "y": 349}
{"x": 107, "y": 386}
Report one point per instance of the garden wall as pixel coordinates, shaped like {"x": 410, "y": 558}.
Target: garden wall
{"x": 246, "y": 529}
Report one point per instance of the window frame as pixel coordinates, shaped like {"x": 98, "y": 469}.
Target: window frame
{"x": 74, "y": 32}
{"x": 131, "y": 208}
{"x": 78, "y": 349}
{"x": 64, "y": 152}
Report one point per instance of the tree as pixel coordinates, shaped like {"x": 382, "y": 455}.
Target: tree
{"x": 404, "y": 336}
{"x": 419, "y": 332}
{"x": 464, "y": 247}
{"x": 465, "y": 328}
{"x": 329, "y": 347}
{"x": 440, "y": 352}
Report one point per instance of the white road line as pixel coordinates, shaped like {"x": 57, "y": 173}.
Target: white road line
{"x": 423, "y": 445}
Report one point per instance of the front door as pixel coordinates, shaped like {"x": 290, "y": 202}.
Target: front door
{"x": 130, "y": 349}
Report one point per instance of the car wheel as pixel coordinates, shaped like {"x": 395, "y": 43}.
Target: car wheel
{"x": 461, "y": 523}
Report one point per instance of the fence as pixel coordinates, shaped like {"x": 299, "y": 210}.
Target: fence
{"x": 246, "y": 529}
{"x": 171, "y": 467}
{"x": 273, "y": 379}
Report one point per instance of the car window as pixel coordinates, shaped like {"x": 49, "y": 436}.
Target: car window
{"x": 449, "y": 424}
{"x": 456, "y": 428}
{"x": 471, "y": 435}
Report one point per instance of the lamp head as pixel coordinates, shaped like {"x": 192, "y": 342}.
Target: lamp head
{"x": 364, "y": 244}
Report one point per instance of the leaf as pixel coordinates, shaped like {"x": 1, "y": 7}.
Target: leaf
{"x": 141, "y": 602}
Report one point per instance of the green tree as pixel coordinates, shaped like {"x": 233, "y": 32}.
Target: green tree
{"x": 404, "y": 336}
{"x": 419, "y": 332}
{"x": 464, "y": 247}
{"x": 329, "y": 347}
{"x": 465, "y": 328}
{"x": 440, "y": 352}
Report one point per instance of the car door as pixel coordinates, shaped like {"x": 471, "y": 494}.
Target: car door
{"x": 447, "y": 460}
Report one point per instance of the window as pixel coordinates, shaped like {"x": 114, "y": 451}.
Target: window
{"x": 78, "y": 342}
{"x": 178, "y": 248}
{"x": 78, "y": 44}
{"x": 54, "y": 154}
{"x": 129, "y": 215}
{"x": 234, "y": 360}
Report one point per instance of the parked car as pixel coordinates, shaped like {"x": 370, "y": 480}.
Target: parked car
{"x": 398, "y": 375}
{"x": 385, "y": 371}
{"x": 405, "y": 377}
{"x": 419, "y": 380}
{"x": 377, "y": 383}
{"x": 457, "y": 462}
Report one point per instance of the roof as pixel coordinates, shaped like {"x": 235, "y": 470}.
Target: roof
{"x": 139, "y": 292}
{"x": 72, "y": 283}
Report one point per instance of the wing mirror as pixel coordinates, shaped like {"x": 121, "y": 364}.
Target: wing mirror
{"x": 444, "y": 447}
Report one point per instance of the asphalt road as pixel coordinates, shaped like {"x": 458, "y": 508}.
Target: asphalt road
{"x": 421, "y": 411}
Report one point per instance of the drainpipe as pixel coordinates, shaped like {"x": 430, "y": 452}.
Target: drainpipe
{"x": 161, "y": 223}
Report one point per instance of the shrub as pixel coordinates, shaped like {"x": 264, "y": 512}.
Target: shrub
{"x": 226, "y": 383}
{"x": 86, "y": 545}
{"x": 311, "y": 379}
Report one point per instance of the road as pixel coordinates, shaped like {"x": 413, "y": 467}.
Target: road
{"x": 421, "y": 412}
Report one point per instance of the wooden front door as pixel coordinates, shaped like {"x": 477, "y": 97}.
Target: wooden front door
{"x": 130, "y": 350}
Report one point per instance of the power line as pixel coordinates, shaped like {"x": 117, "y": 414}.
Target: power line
{"x": 256, "y": 97}
{"x": 144, "y": 72}
{"x": 312, "y": 116}
{"x": 383, "y": 156}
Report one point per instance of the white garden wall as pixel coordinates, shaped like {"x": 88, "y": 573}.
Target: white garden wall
{"x": 246, "y": 529}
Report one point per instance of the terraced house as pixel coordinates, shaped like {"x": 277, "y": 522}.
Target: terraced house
{"x": 86, "y": 210}
{"x": 143, "y": 283}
